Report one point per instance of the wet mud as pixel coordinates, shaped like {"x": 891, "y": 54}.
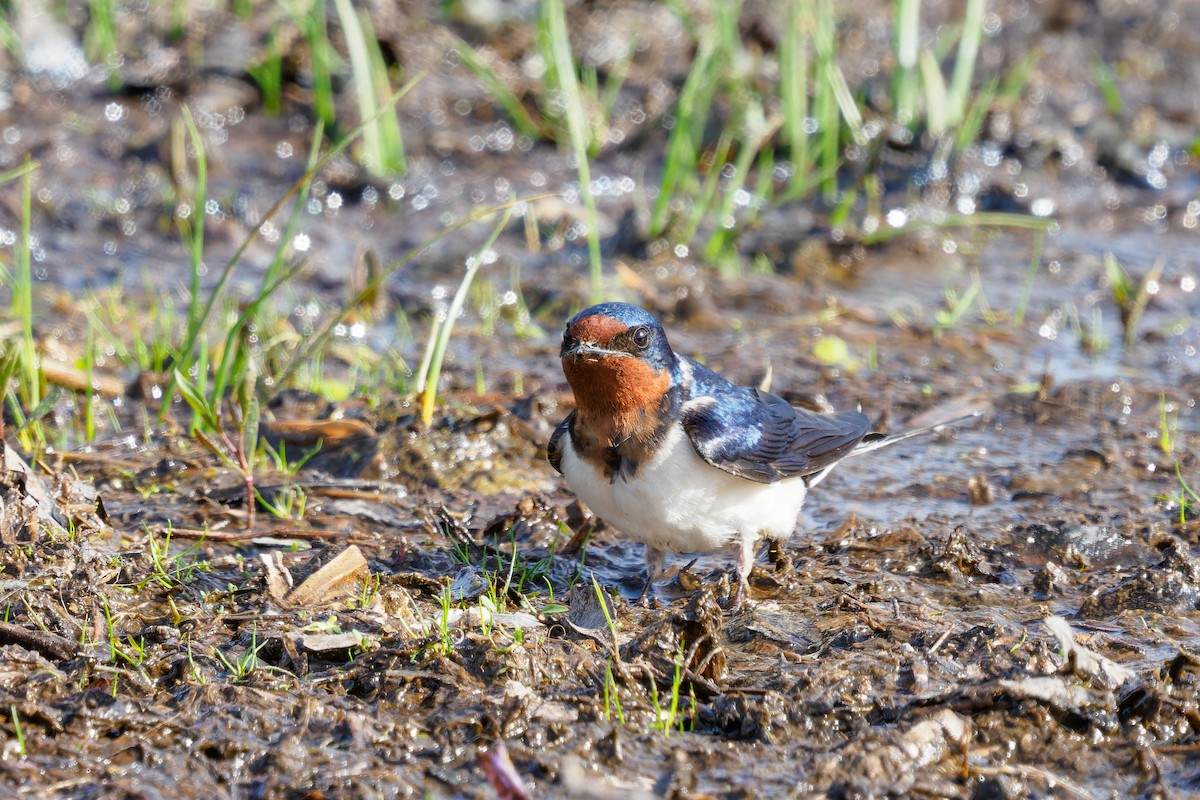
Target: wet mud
{"x": 1008, "y": 609}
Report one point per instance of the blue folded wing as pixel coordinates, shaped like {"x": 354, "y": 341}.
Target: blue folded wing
{"x": 761, "y": 437}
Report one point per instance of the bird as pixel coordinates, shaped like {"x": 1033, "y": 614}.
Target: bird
{"x": 675, "y": 456}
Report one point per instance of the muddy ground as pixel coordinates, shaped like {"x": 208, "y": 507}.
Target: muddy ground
{"x": 1008, "y": 609}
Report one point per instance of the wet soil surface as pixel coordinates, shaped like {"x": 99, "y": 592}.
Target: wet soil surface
{"x": 1006, "y": 609}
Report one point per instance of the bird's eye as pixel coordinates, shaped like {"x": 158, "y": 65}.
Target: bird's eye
{"x": 641, "y": 337}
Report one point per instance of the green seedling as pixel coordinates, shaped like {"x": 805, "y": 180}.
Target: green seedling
{"x": 1131, "y": 300}
{"x": 290, "y": 503}
{"x": 1187, "y": 497}
{"x": 552, "y": 607}
{"x": 683, "y": 153}
{"x": 241, "y": 667}
{"x": 1107, "y": 84}
{"x": 608, "y": 617}
{"x": 368, "y": 592}
{"x": 172, "y": 571}
{"x": 194, "y": 673}
{"x": 905, "y": 81}
{"x": 131, "y": 651}
{"x": 667, "y": 718}
{"x": 795, "y": 54}
{"x": 234, "y": 450}
{"x": 964, "y": 63}
{"x": 1090, "y": 335}
{"x": 1168, "y": 421}
{"x": 278, "y": 459}
{"x": 18, "y": 734}
{"x": 612, "y": 697}
{"x": 445, "y": 639}
{"x": 957, "y": 305}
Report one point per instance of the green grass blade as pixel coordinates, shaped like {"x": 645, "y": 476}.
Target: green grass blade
{"x": 964, "y": 64}
{"x": 1107, "y": 83}
{"x": 905, "y": 80}
{"x": 995, "y": 219}
{"x": 794, "y": 57}
{"x": 682, "y": 150}
{"x": 935, "y": 93}
{"x": 555, "y": 22}
{"x": 512, "y": 106}
{"x": 192, "y": 226}
{"x": 427, "y": 383}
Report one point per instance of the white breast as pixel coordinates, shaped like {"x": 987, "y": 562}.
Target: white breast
{"x": 679, "y": 503}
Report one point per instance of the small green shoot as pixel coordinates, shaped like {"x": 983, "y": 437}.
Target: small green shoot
{"x": 905, "y": 85}
{"x": 194, "y": 673}
{"x": 608, "y": 617}
{"x": 1168, "y": 422}
{"x": 1188, "y": 499}
{"x": 131, "y": 651}
{"x": 289, "y": 503}
{"x": 1131, "y": 300}
{"x": 445, "y": 643}
{"x": 1185, "y": 497}
{"x": 210, "y": 431}
{"x": 1107, "y": 84}
{"x": 241, "y": 667}
{"x": 612, "y": 696}
{"x": 668, "y": 718}
{"x": 172, "y": 571}
{"x": 17, "y": 732}
{"x": 314, "y": 28}
{"x": 957, "y": 305}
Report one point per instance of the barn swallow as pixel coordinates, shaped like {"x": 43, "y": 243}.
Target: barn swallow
{"x": 673, "y": 455}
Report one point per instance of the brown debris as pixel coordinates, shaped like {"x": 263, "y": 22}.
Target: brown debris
{"x": 307, "y": 432}
{"x": 76, "y": 380}
{"x": 331, "y": 580}
{"x": 45, "y": 643}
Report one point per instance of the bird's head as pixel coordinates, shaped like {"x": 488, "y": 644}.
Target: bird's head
{"x": 617, "y": 360}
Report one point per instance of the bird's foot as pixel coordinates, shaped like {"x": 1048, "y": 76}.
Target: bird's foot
{"x": 739, "y": 598}
{"x": 646, "y": 598}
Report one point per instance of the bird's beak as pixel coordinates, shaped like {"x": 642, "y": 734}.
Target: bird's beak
{"x": 588, "y": 351}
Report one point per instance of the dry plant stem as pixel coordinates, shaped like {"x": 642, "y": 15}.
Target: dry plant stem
{"x": 243, "y": 536}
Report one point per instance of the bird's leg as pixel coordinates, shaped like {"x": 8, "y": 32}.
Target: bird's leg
{"x": 655, "y": 560}
{"x": 745, "y": 562}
